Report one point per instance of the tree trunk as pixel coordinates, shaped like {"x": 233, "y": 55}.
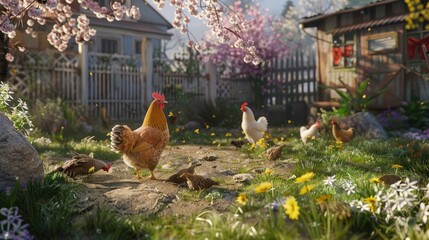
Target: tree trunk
{"x": 4, "y": 49}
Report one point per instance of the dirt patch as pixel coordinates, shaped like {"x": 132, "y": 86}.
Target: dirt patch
{"x": 119, "y": 191}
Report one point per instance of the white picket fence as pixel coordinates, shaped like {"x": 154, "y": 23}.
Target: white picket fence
{"x": 117, "y": 83}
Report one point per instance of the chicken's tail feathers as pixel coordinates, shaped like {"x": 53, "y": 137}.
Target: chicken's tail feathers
{"x": 264, "y": 122}
{"x": 119, "y": 136}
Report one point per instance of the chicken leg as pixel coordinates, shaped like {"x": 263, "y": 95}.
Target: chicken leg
{"x": 152, "y": 176}
{"x": 138, "y": 177}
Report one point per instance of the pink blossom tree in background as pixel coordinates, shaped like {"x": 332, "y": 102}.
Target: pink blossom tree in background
{"x": 261, "y": 30}
{"x": 31, "y": 14}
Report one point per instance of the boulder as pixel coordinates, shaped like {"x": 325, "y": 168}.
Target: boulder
{"x": 365, "y": 124}
{"x": 18, "y": 158}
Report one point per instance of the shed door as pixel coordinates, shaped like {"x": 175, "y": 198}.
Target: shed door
{"x": 380, "y": 62}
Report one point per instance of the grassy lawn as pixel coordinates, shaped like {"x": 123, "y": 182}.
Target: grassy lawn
{"x": 331, "y": 192}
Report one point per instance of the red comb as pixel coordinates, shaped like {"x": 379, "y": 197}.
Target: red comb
{"x": 243, "y": 105}
{"x": 158, "y": 96}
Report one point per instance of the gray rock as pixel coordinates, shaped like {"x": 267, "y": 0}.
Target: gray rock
{"x": 227, "y": 172}
{"x": 242, "y": 177}
{"x": 192, "y": 125}
{"x": 18, "y": 158}
{"x": 209, "y": 157}
{"x": 365, "y": 124}
{"x": 258, "y": 170}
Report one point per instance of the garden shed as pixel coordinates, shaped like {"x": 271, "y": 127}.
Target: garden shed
{"x": 370, "y": 42}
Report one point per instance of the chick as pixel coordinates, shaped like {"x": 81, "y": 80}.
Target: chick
{"x": 178, "y": 178}
{"x": 341, "y": 135}
{"x": 275, "y": 152}
{"x": 197, "y": 182}
{"x": 237, "y": 143}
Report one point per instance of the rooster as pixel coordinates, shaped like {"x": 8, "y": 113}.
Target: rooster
{"x": 82, "y": 164}
{"x": 254, "y": 130}
{"x": 142, "y": 147}
{"x": 341, "y": 135}
{"x": 310, "y": 132}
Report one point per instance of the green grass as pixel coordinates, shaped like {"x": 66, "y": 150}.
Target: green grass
{"x": 46, "y": 207}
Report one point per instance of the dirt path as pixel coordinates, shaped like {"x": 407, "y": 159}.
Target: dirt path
{"x": 119, "y": 191}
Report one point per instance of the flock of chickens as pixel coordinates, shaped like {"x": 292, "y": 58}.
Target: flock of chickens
{"x": 142, "y": 147}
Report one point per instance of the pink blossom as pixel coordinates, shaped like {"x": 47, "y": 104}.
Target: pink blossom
{"x": 9, "y": 57}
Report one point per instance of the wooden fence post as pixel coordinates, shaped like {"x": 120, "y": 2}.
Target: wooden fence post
{"x": 147, "y": 68}
{"x": 212, "y": 71}
{"x": 83, "y": 61}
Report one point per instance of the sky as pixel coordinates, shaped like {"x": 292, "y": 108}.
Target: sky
{"x": 197, "y": 28}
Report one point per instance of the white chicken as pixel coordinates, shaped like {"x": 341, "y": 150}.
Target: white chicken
{"x": 254, "y": 130}
{"x": 309, "y": 133}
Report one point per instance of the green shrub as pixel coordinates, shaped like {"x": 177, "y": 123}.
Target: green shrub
{"x": 57, "y": 117}
{"x": 15, "y": 110}
{"x": 218, "y": 114}
{"x": 417, "y": 112}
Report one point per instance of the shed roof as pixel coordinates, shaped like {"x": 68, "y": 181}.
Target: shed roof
{"x": 312, "y": 21}
{"x": 370, "y": 24}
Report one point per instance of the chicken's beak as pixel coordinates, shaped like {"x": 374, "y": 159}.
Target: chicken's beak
{"x": 165, "y": 102}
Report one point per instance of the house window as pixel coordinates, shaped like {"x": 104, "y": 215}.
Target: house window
{"x": 343, "y": 51}
{"x": 109, "y": 46}
{"x": 138, "y": 47}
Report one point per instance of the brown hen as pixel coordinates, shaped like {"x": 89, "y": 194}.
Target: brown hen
{"x": 341, "y": 135}
{"x": 82, "y": 164}
{"x": 142, "y": 147}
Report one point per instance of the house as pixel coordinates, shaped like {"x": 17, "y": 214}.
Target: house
{"x": 112, "y": 72}
{"x": 370, "y": 42}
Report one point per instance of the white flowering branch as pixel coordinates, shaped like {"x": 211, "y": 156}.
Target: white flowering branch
{"x": 67, "y": 25}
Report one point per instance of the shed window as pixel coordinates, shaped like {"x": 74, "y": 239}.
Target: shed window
{"x": 343, "y": 50}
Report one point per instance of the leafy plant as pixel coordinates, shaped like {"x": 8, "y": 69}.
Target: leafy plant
{"x": 47, "y": 207}
{"x": 56, "y": 117}
{"x": 16, "y": 111}
{"x": 215, "y": 114}
{"x": 358, "y": 101}
{"x": 417, "y": 113}
{"x": 104, "y": 224}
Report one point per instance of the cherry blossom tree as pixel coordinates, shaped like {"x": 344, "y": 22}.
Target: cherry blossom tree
{"x": 267, "y": 43}
{"x": 28, "y": 14}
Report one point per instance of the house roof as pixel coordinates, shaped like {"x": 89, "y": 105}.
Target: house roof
{"x": 312, "y": 21}
{"x": 370, "y": 24}
{"x": 138, "y": 27}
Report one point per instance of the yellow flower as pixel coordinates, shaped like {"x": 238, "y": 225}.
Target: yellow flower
{"x": 372, "y": 202}
{"x": 197, "y": 131}
{"x": 218, "y": 145}
{"x": 305, "y": 177}
{"x": 282, "y": 139}
{"x": 263, "y": 187}
{"x": 108, "y": 134}
{"x": 291, "y": 208}
{"x": 289, "y": 121}
{"x": 313, "y": 138}
{"x": 242, "y": 199}
{"x": 323, "y": 198}
{"x": 240, "y": 138}
{"x": 207, "y": 126}
{"x": 91, "y": 170}
{"x": 374, "y": 180}
{"x": 170, "y": 114}
{"x": 184, "y": 141}
{"x": 364, "y": 96}
{"x": 228, "y": 134}
{"x": 212, "y": 134}
{"x": 305, "y": 189}
{"x": 268, "y": 171}
{"x": 396, "y": 166}
{"x": 214, "y": 142}
{"x": 177, "y": 130}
